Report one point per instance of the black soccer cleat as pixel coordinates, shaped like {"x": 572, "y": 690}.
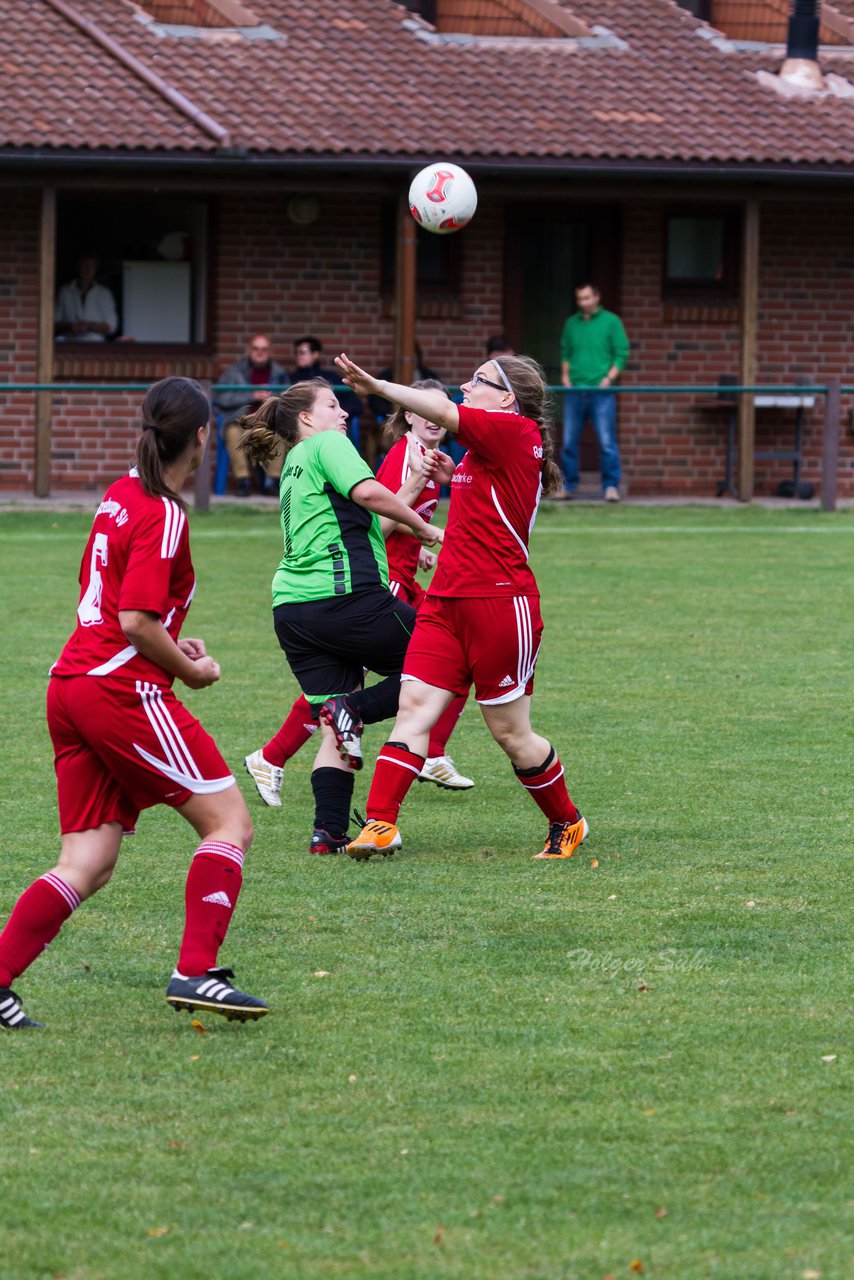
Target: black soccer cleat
{"x": 12, "y": 1016}
{"x": 347, "y": 729}
{"x": 211, "y": 993}
{"x": 323, "y": 843}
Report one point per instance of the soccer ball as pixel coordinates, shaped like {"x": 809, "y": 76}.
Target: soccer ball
{"x": 442, "y": 198}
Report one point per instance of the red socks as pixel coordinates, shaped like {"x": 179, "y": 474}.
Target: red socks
{"x": 36, "y": 919}
{"x": 547, "y": 788}
{"x": 294, "y": 733}
{"x": 396, "y": 770}
{"x": 213, "y": 883}
{"x": 445, "y": 725}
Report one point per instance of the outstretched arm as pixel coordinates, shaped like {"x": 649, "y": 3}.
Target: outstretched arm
{"x": 376, "y": 497}
{"x": 432, "y": 405}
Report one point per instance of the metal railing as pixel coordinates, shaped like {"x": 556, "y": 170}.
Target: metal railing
{"x": 726, "y": 396}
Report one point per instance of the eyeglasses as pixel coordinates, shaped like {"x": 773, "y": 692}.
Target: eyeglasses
{"x": 479, "y": 380}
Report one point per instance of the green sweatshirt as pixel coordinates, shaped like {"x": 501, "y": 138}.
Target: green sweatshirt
{"x": 592, "y": 347}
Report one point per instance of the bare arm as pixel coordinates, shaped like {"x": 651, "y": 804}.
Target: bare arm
{"x": 149, "y": 637}
{"x": 374, "y": 496}
{"x": 432, "y": 405}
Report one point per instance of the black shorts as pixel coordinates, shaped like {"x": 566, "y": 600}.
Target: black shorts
{"x": 329, "y": 643}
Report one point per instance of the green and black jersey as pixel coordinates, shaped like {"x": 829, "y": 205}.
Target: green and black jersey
{"x": 333, "y": 547}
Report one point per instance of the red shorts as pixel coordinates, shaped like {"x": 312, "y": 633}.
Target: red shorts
{"x": 412, "y": 592}
{"x": 119, "y": 749}
{"x": 491, "y": 643}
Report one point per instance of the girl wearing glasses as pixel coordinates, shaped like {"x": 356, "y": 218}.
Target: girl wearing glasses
{"x": 480, "y": 623}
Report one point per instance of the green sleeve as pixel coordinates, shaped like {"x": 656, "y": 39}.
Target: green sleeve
{"x": 566, "y": 341}
{"x": 620, "y": 343}
{"x": 343, "y": 464}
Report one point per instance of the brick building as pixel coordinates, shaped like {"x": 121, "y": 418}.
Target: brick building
{"x": 239, "y": 168}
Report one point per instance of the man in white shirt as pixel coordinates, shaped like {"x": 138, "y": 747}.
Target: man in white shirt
{"x": 85, "y": 310}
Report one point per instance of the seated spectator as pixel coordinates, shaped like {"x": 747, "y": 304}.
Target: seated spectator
{"x": 85, "y": 310}
{"x": 381, "y": 408}
{"x": 307, "y": 352}
{"x": 256, "y": 369}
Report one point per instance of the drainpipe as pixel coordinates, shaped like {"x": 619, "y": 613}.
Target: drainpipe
{"x": 801, "y": 69}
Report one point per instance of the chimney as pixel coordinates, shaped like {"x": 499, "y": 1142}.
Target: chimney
{"x": 801, "y": 70}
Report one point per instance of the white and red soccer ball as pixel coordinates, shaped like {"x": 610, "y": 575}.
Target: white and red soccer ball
{"x": 442, "y": 198}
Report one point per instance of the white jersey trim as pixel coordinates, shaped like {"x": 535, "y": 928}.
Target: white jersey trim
{"x": 112, "y": 664}
{"x": 172, "y": 529}
{"x": 504, "y": 519}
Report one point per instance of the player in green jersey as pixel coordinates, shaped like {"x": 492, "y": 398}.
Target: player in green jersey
{"x": 333, "y": 612}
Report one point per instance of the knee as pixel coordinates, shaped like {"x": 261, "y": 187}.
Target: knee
{"x": 512, "y": 741}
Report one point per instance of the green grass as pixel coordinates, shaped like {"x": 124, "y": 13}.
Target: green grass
{"x": 510, "y": 1070}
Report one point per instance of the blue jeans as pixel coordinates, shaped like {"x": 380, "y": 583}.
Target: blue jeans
{"x": 601, "y": 408}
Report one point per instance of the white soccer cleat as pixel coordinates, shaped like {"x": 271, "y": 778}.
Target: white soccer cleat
{"x": 267, "y": 778}
{"x": 443, "y": 771}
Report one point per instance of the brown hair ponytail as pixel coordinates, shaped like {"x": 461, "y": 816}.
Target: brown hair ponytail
{"x": 277, "y": 419}
{"x": 172, "y": 412}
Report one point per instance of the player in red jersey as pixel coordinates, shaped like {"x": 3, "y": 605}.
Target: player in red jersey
{"x": 481, "y": 621}
{"x": 122, "y": 740}
{"x": 409, "y": 433}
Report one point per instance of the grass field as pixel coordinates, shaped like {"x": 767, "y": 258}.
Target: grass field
{"x": 479, "y": 1067}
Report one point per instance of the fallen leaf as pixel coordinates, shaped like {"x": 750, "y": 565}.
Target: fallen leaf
{"x": 197, "y": 1026}
{"x": 176, "y": 1145}
{"x": 194, "y": 1057}
{"x": 404, "y": 1151}
{"x": 157, "y": 1231}
{"x": 751, "y": 903}
{"x": 611, "y": 897}
{"x": 439, "y": 1236}
{"x": 487, "y": 853}
{"x": 661, "y": 1212}
{"x": 351, "y": 1079}
{"x": 497, "y": 1200}
{"x": 642, "y": 986}
{"x": 594, "y": 862}
{"x": 87, "y": 968}
{"x": 283, "y": 1244}
{"x": 608, "y": 1277}
{"x": 650, "y": 1111}
{"x": 810, "y": 1274}
{"x": 828, "y": 1057}
{"x": 321, "y": 973}
{"x": 636, "y": 1265}
{"x": 246, "y": 1226}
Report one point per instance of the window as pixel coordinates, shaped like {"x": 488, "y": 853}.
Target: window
{"x": 438, "y": 259}
{"x": 699, "y": 8}
{"x": 701, "y": 253}
{"x": 152, "y": 254}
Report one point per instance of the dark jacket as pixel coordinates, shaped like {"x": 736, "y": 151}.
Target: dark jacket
{"x": 231, "y": 404}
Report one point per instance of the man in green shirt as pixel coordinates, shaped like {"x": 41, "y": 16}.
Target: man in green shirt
{"x": 594, "y": 350}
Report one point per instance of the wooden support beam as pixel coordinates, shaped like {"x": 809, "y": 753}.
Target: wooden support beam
{"x": 44, "y": 356}
{"x": 404, "y": 294}
{"x": 748, "y": 364}
{"x": 830, "y": 445}
{"x": 202, "y": 480}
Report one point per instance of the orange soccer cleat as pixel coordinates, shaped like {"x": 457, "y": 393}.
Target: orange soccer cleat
{"x": 564, "y": 839}
{"x": 375, "y": 837}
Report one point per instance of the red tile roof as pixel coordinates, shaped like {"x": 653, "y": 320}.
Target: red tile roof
{"x": 364, "y": 79}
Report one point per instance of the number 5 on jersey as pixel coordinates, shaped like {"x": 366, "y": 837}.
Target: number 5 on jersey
{"x": 89, "y": 608}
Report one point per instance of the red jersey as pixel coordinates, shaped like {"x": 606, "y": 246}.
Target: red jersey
{"x": 402, "y": 549}
{"x": 137, "y": 557}
{"x": 495, "y": 492}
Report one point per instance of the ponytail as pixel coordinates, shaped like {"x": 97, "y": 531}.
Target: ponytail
{"x": 172, "y": 412}
{"x": 277, "y": 419}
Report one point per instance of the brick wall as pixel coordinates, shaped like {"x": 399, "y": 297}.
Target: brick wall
{"x": 806, "y": 292}
{"x": 275, "y": 277}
